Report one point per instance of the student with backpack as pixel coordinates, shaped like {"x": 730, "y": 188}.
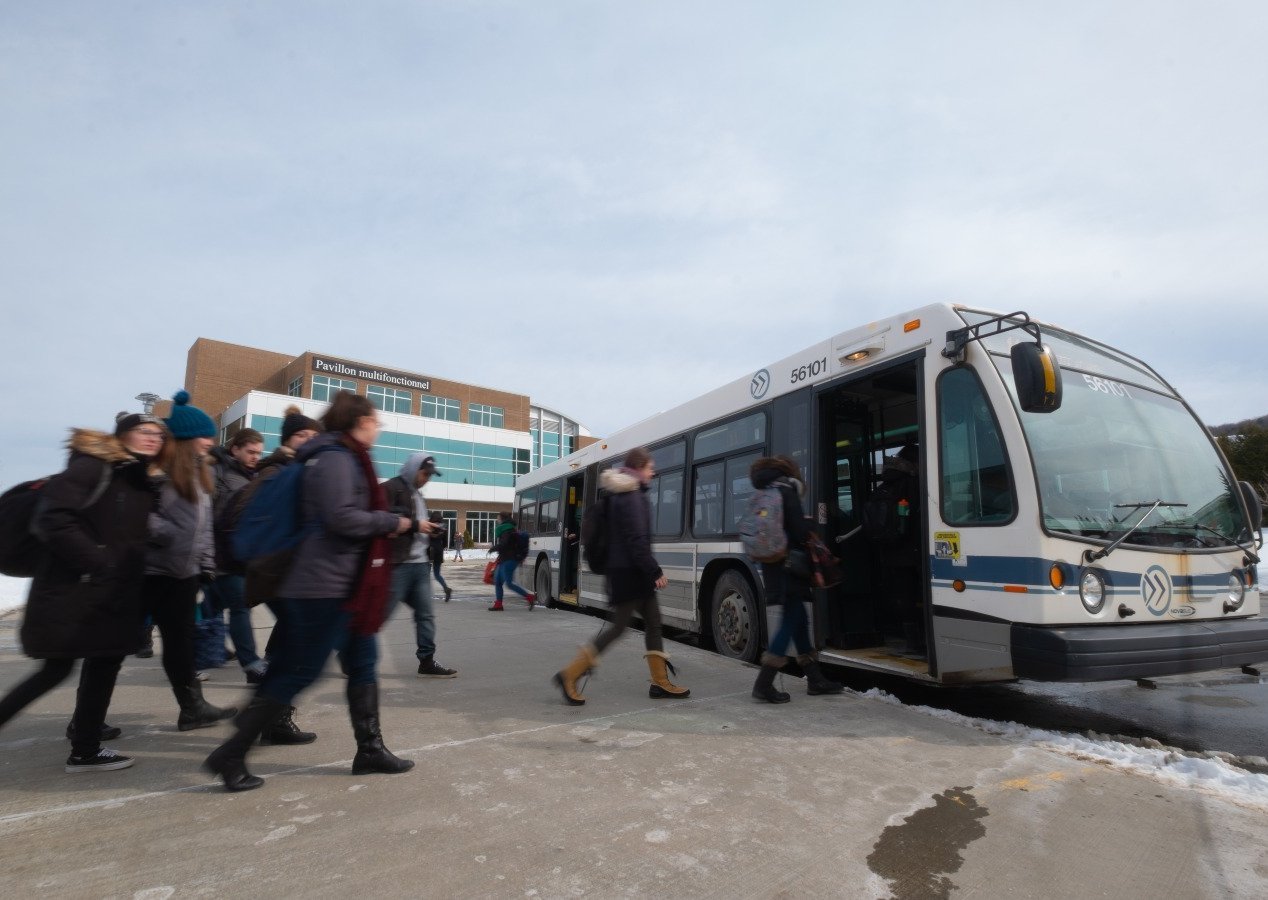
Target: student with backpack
{"x": 436, "y": 551}
{"x": 511, "y": 546}
{"x": 181, "y": 557}
{"x": 620, "y": 523}
{"x": 335, "y": 590}
{"x": 84, "y": 601}
{"x": 412, "y": 560}
{"x": 787, "y": 573}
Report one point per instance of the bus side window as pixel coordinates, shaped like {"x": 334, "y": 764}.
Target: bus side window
{"x": 977, "y": 486}
{"x": 707, "y": 519}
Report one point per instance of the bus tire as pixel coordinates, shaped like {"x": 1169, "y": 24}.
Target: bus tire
{"x": 541, "y": 585}
{"x": 733, "y": 617}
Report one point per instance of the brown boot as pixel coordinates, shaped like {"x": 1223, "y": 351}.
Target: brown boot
{"x": 658, "y": 662}
{"x": 586, "y": 659}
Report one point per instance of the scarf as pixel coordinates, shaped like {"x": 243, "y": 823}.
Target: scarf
{"x": 368, "y": 601}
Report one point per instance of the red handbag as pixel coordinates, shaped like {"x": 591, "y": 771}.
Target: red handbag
{"x": 488, "y": 571}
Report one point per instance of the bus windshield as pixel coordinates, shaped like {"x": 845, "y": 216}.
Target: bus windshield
{"x": 1116, "y": 447}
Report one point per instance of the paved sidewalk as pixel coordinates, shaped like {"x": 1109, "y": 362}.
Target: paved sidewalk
{"x": 517, "y": 795}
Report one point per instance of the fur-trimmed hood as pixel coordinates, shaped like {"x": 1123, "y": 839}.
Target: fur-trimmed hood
{"x": 619, "y": 481}
{"x": 98, "y": 444}
{"x": 768, "y": 469}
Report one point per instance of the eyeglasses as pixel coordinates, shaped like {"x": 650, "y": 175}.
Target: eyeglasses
{"x": 144, "y": 432}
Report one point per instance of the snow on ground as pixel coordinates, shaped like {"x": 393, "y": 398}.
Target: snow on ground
{"x": 12, "y": 592}
{"x": 1212, "y": 773}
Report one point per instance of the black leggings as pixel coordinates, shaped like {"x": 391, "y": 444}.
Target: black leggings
{"x": 170, "y": 602}
{"x": 623, "y": 615}
{"x": 96, "y": 686}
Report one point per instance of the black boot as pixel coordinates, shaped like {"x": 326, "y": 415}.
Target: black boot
{"x": 229, "y": 760}
{"x": 816, "y": 681}
{"x": 764, "y": 687}
{"x": 146, "y": 649}
{"x": 372, "y": 755}
{"x": 285, "y": 731}
{"x": 197, "y": 712}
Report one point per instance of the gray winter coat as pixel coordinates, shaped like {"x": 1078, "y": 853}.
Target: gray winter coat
{"x": 335, "y": 504}
{"x": 181, "y": 543}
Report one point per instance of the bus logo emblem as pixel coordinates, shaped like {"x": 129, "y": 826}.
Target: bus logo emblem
{"x": 1155, "y": 587}
{"x": 760, "y": 384}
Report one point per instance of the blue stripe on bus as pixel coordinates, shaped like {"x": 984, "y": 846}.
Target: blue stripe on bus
{"x": 1032, "y": 571}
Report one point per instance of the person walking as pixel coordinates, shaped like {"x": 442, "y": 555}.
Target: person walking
{"x": 264, "y": 576}
{"x": 335, "y": 593}
{"x": 436, "y": 551}
{"x": 459, "y": 541}
{"x": 181, "y": 556}
{"x": 633, "y": 578}
{"x": 505, "y": 545}
{"x": 84, "y": 601}
{"x": 233, "y": 467}
{"x": 411, "y": 559}
{"x": 787, "y": 587}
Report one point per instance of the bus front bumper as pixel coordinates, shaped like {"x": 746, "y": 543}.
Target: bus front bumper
{"x": 1109, "y": 652}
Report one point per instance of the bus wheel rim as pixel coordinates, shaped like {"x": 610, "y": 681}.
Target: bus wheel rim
{"x": 733, "y": 621}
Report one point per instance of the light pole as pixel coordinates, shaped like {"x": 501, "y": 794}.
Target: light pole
{"x": 147, "y": 402}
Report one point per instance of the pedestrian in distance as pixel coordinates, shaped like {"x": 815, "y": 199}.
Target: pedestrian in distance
{"x": 412, "y": 560}
{"x": 85, "y": 597}
{"x": 436, "y": 552}
{"x": 505, "y": 544}
{"x": 459, "y": 541}
{"x": 234, "y": 466}
{"x": 335, "y": 593}
{"x": 787, "y": 586}
{"x": 181, "y": 556}
{"x": 264, "y": 576}
{"x": 633, "y": 578}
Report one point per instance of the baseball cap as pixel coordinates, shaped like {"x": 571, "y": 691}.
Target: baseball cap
{"x": 429, "y": 465}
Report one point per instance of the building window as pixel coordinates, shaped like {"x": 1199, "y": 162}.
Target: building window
{"x": 449, "y": 518}
{"x": 442, "y": 408}
{"x": 491, "y": 416}
{"x": 390, "y": 399}
{"x": 480, "y": 525}
{"x": 325, "y": 387}
{"x": 296, "y": 387}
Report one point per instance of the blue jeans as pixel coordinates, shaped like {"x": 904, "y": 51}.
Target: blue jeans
{"x": 314, "y": 629}
{"x": 411, "y": 585}
{"x": 791, "y": 593}
{"x": 435, "y": 571}
{"x": 227, "y": 592}
{"x": 504, "y": 574}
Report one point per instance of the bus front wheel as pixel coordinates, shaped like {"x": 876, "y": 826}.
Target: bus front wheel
{"x": 733, "y": 614}
{"x": 541, "y": 585}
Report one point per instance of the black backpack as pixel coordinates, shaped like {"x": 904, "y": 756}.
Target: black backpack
{"x": 594, "y": 534}
{"x": 22, "y": 548}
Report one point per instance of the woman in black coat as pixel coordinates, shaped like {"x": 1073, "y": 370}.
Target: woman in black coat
{"x": 85, "y": 598}
{"x": 633, "y": 578}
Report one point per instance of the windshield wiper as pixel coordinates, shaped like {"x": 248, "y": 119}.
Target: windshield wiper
{"x": 1250, "y": 554}
{"x": 1092, "y": 556}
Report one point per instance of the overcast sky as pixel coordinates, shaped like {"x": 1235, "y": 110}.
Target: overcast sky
{"x": 614, "y": 207}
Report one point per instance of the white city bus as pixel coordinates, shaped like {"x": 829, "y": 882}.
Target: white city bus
{"x": 1075, "y": 521}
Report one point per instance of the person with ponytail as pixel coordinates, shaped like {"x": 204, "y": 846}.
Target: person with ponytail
{"x": 334, "y": 594}
{"x": 181, "y": 556}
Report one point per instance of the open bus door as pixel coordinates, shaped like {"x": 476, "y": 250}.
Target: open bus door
{"x": 877, "y": 616}
{"x": 570, "y": 540}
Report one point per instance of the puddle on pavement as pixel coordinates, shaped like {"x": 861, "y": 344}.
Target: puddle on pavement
{"x": 1217, "y": 701}
{"x": 918, "y": 855}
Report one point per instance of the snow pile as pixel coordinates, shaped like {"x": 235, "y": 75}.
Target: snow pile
{"x": 1211, "y": 773}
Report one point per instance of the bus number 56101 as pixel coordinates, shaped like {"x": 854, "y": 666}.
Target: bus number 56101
{"x": 811, "y": 370}
{"x": 1105, "y": 386}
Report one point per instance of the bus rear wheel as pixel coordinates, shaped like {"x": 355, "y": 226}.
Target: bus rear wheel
{"x": 733, "y": 616}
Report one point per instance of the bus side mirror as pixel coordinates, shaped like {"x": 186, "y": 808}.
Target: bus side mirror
{"x": 1037, "y": 378}
{"x": 1253, "y": 505}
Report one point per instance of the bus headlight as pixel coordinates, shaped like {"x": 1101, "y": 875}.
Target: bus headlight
{"x": 1236, "y": 592}
{"x": 1092, "y": 590}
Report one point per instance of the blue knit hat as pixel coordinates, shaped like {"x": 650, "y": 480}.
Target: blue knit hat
{"x": 187, "y": 421}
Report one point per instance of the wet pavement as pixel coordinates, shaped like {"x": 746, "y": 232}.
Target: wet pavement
{"x": 517, "y": 795}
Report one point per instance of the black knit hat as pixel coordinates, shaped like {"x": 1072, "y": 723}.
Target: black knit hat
{"x": 294, "y": 421}
{"x": 126, "y": 421}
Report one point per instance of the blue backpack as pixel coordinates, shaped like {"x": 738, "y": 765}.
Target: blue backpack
{"x": 269, "y": 520}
